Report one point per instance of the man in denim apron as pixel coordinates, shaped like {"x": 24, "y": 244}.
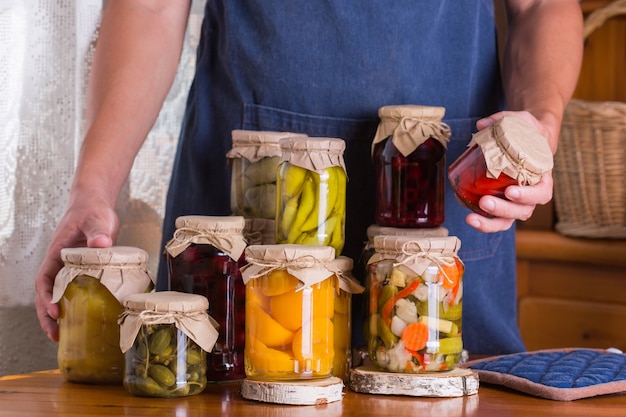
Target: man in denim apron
{"x": 324, "y": 69}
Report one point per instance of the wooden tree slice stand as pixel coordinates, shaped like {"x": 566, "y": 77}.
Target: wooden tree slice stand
{"x": 455, "y": 383}
{"x": 309, "y": 392}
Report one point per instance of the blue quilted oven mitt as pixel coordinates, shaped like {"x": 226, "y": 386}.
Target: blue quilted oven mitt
{"x": 556, "y": 374}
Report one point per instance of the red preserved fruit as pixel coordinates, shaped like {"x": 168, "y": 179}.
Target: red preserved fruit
{"x": 410, "y": 189}
{"x": 468, "y": 178}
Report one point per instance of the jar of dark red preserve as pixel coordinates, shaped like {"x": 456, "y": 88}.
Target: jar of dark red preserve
{"x": 204, "y": 257}
{"x": 409, "y": 156}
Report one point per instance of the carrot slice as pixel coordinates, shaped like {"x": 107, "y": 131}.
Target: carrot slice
{"x": 415, "y": 336}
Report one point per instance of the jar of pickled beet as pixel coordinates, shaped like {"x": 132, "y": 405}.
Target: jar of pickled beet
{"x": 254, "y": 159}
{"x": 260, "y": 231}
{"x": 509, "y": 152}
{"x": 409, "y": 156}
{"x": 165, "y": 336}
{"x": 342, "y": 317}
{"x": 416, "y": 304}
{"x": 204, "y": 257}
{"x": 290, "y": 307}
{"x": 90, "y": 290}
{"x": 311, "y": 207}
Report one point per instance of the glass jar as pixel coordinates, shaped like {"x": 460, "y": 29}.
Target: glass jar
{"x": 509, "y": 152}
{"x": 363, "y": 309}
{"x": 409, "y": 156}
{"x": 165, "y": 336}
{"x": 342, "y": 318}
{"x": 416, "y": 304}
{"x": 260, "y": 231}
{"x": 254, "y": 160}
{"x": 312, "y": 193}
{"x": 290, "y": 295}
{"x": 204, "y": 257}
{"x": 90, "y": 289}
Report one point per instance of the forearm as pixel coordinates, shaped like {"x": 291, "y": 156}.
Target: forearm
{"x": 135, "y": 62}
{"x": 542, "y": 59}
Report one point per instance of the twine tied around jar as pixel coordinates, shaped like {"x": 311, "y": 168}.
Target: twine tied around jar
{"x": 303, "y": 262}
{"x": 184, "y": 236}
{"x": 412, "y": 252}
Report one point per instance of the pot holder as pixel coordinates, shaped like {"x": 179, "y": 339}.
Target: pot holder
{"x": 556, "y": 374}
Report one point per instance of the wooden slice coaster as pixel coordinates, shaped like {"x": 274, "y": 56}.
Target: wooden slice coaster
{"x": 310, "y": 392}
{"x": 456, "y": 383}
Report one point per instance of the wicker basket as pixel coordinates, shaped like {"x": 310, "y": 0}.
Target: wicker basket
{"x": 589, "y": 167}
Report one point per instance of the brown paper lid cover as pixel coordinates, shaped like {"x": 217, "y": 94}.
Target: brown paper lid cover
{"x": 313, "y": 153}
{"x": 122, "y": 270}
{"x": 255, "y": 145}
{"x": 410, "y": 126}
{"x": 187, "y": 311}
{"x": 347, "y": 282}
{"x": 514, "y": 147}
{"x": 223, "y": 232}
{"x": 309, "y": 264}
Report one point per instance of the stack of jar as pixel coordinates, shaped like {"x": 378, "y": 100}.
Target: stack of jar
{"x": 413, "y": 275}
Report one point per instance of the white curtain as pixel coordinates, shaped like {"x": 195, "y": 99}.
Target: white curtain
{"x": 46, "y": 47}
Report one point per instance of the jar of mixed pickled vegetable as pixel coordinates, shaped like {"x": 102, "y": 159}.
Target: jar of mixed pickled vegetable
{"x": 254, "y": 159}
{"x": 290, "y": 311}
{"x": 260, "y": 231}
{"x": 510, "y": 152}
{"x": 204, "y": 257}
{"x": 311, "y": 207}
{"x": 362, "y": 310}
{"x": 416, "y": 304}
{"x": 342, "y": 317}
{"x": 409, "y": 156}
{"x": 165, "y": 336}
{"x": 90, "y": 289}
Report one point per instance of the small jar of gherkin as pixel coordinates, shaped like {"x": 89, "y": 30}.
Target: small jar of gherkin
{"x": 165, "y": 336}
{"x": 90, "y": 290}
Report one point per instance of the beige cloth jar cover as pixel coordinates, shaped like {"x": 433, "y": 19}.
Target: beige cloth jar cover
{"x": 256, "y": 145}
{"x": 514, "y": 147}
{"x": 314, "y": 154}
{"x": 123, "y": 270}
{"x": 410, "y": 126}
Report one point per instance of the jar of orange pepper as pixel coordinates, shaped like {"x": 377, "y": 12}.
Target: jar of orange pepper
{"x": 416, "y": 304}
{"x": 290, "y": 295}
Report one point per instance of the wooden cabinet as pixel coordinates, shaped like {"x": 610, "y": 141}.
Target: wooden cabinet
{"x": 572, "y": 291}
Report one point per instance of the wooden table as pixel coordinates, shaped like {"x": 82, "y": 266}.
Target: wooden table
{"x": 47, "y": 394}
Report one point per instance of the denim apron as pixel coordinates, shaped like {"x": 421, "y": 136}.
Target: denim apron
{"x": 323, "y": 68}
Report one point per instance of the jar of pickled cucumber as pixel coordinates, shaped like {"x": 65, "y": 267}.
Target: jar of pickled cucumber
{"x": 165, "y": 336}
{"x": 204, "y": 257}
{"x": 290, "y": 306}
{"x": 311, "y": 205}
{"x": 409, "y": 156}
{"x": 342, "y": 318}
{"x": 90, "y": 290}
{"x": 254, "y": 159}
{"x": 260, "y": 231}
{"x": 416, "y": 304}
{"x": 509, "y": 152}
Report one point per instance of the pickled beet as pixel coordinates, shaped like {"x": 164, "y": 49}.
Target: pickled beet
{"x": 409, "y": 189}
{"x": 205, "y": 270}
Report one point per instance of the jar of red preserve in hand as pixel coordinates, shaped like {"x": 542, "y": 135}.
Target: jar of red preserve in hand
{"x": 204, "y": 257}
{"x": 409, "y": 155}
{"x": 510, "y": 152}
